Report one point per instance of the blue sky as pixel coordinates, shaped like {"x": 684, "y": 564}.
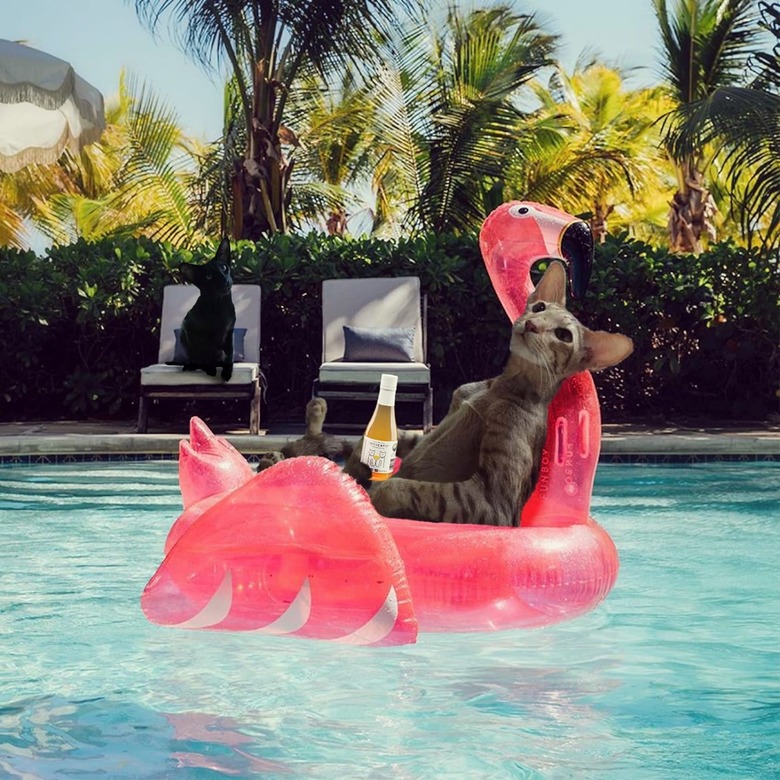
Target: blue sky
{"x": 100, "y": 37}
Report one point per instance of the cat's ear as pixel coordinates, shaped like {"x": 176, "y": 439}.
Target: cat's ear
{"x": 223, "y": 251}
{"x": 552, "y": 286}
{"x": 603, "y": 349}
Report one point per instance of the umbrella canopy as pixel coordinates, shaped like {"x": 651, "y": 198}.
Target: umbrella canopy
{"x": 45, "y": 107}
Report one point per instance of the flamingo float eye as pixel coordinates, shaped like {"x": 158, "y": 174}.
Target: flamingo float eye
{"x": 520, "y": 211}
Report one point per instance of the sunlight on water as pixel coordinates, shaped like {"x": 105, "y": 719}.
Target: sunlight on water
{"x": 674, "y": 676}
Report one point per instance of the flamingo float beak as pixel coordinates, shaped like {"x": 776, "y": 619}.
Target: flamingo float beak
{"x": 577, "y": 250}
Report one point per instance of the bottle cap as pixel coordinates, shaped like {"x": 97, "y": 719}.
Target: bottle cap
{"x": 388, "y": 382}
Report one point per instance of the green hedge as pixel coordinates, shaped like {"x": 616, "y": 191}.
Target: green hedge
{"x": 80, "y": 322}
{"x": 706, "y": 330}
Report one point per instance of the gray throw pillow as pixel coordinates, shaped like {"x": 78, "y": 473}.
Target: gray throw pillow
{"x": 180, "y": 352}
{"x": 378, "y": 345}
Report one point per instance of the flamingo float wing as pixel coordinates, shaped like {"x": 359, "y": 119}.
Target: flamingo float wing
{"x": 298, "y": 549}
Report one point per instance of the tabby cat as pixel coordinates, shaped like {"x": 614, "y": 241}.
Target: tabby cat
{"x": 313, "y": 442}
{"x": 481, "y": 463}
{"x": 207, "y": 328}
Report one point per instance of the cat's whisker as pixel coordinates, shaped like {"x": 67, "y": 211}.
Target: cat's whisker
{"x": 549, "y": 375}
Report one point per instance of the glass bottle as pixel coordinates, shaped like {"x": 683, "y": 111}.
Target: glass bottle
{"x": 380, "y": 440}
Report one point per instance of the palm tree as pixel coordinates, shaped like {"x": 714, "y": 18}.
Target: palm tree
{"x": 744, "y": 123}
{"x": 596, "y": 148}
{"x": 448, "y": 113}
{"x": 334, "y": 157}
{"x": 706, "y": 45}
{"x": 267, "y": 45}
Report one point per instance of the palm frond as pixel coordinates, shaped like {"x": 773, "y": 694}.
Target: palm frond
{"x": 156, "y": 168}
{"x": 460, "y": 84}
{"x": 589, "y": 145}
{"x": 12, "y": 232}
{"x": 734, "y": 114}
{"x": 766, "y": 64}
{"x": 706, "y": 43}
{"x": 400, "y": 124}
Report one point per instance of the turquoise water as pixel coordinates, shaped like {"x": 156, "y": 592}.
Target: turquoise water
{"x": 676, "y": 675}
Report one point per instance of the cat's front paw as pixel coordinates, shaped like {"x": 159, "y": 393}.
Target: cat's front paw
{"x": 227, "y": 372}
{"x": 384, "y": 498}
{"x": 359, "y": 471}
{"x": 210, "y": 370}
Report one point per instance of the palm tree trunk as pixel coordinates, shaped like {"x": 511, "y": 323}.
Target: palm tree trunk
{"x": 691, "y": 213}
{"x": 336, "y": 223}
{"x": 261, "y": 182}
{"x": 598, "y": 221}
{"x": 260, "y": 186}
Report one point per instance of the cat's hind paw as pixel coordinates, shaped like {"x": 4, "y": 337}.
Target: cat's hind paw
{"x": 269, "y": 459}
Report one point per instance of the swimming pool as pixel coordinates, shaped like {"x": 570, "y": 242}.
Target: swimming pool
{"x": 675, "y": 675}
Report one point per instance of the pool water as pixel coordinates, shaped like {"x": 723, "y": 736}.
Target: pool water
{"x": 675, "y": 675}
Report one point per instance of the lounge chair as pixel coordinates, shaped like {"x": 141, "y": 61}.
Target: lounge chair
{"x": 372, "y": 327}
{"x": 170, "y": 381}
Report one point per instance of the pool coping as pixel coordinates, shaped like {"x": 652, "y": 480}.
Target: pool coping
{"x": 56, "y": 442}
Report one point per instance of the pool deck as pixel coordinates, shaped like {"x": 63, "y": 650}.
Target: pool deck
{"x": 112, "y": 438}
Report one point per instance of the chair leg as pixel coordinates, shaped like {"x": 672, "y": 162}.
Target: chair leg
{"x": 254, "y": 410}
{"x": 143, "y": 414}
{"x": 428, "y": 412}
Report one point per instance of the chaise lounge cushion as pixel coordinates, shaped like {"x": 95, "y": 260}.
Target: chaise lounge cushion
{"x": 341, "y": 372}
{"x": 161, "y": 374}
{"x": 378, "y": 345}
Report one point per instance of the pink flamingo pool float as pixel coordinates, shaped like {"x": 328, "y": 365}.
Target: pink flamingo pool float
{"x": 299, "y": 550}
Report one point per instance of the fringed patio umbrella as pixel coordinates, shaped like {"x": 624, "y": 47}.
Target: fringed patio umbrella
{"x": 45, "y": 108}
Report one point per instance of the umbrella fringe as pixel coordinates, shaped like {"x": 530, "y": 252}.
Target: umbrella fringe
{"x": 12, "y": 163}
{"x": 30, "y": 93}
{"x": 52, "y": 99}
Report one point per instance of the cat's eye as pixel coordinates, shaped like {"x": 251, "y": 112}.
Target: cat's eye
{"x": 537, "y": 307}
{"x": 563, "y": 334}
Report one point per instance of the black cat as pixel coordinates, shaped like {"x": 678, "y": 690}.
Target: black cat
{"x": 207, "y": 328}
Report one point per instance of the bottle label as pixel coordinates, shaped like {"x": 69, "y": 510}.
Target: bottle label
{"x": 378, "y": 455}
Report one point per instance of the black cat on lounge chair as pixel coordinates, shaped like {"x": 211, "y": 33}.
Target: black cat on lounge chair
{"x": 206, "y": 336}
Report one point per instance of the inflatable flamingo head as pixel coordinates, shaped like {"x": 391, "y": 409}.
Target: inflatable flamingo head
{"x": 209, "y": 464}
{"x": 517, "y": 234}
